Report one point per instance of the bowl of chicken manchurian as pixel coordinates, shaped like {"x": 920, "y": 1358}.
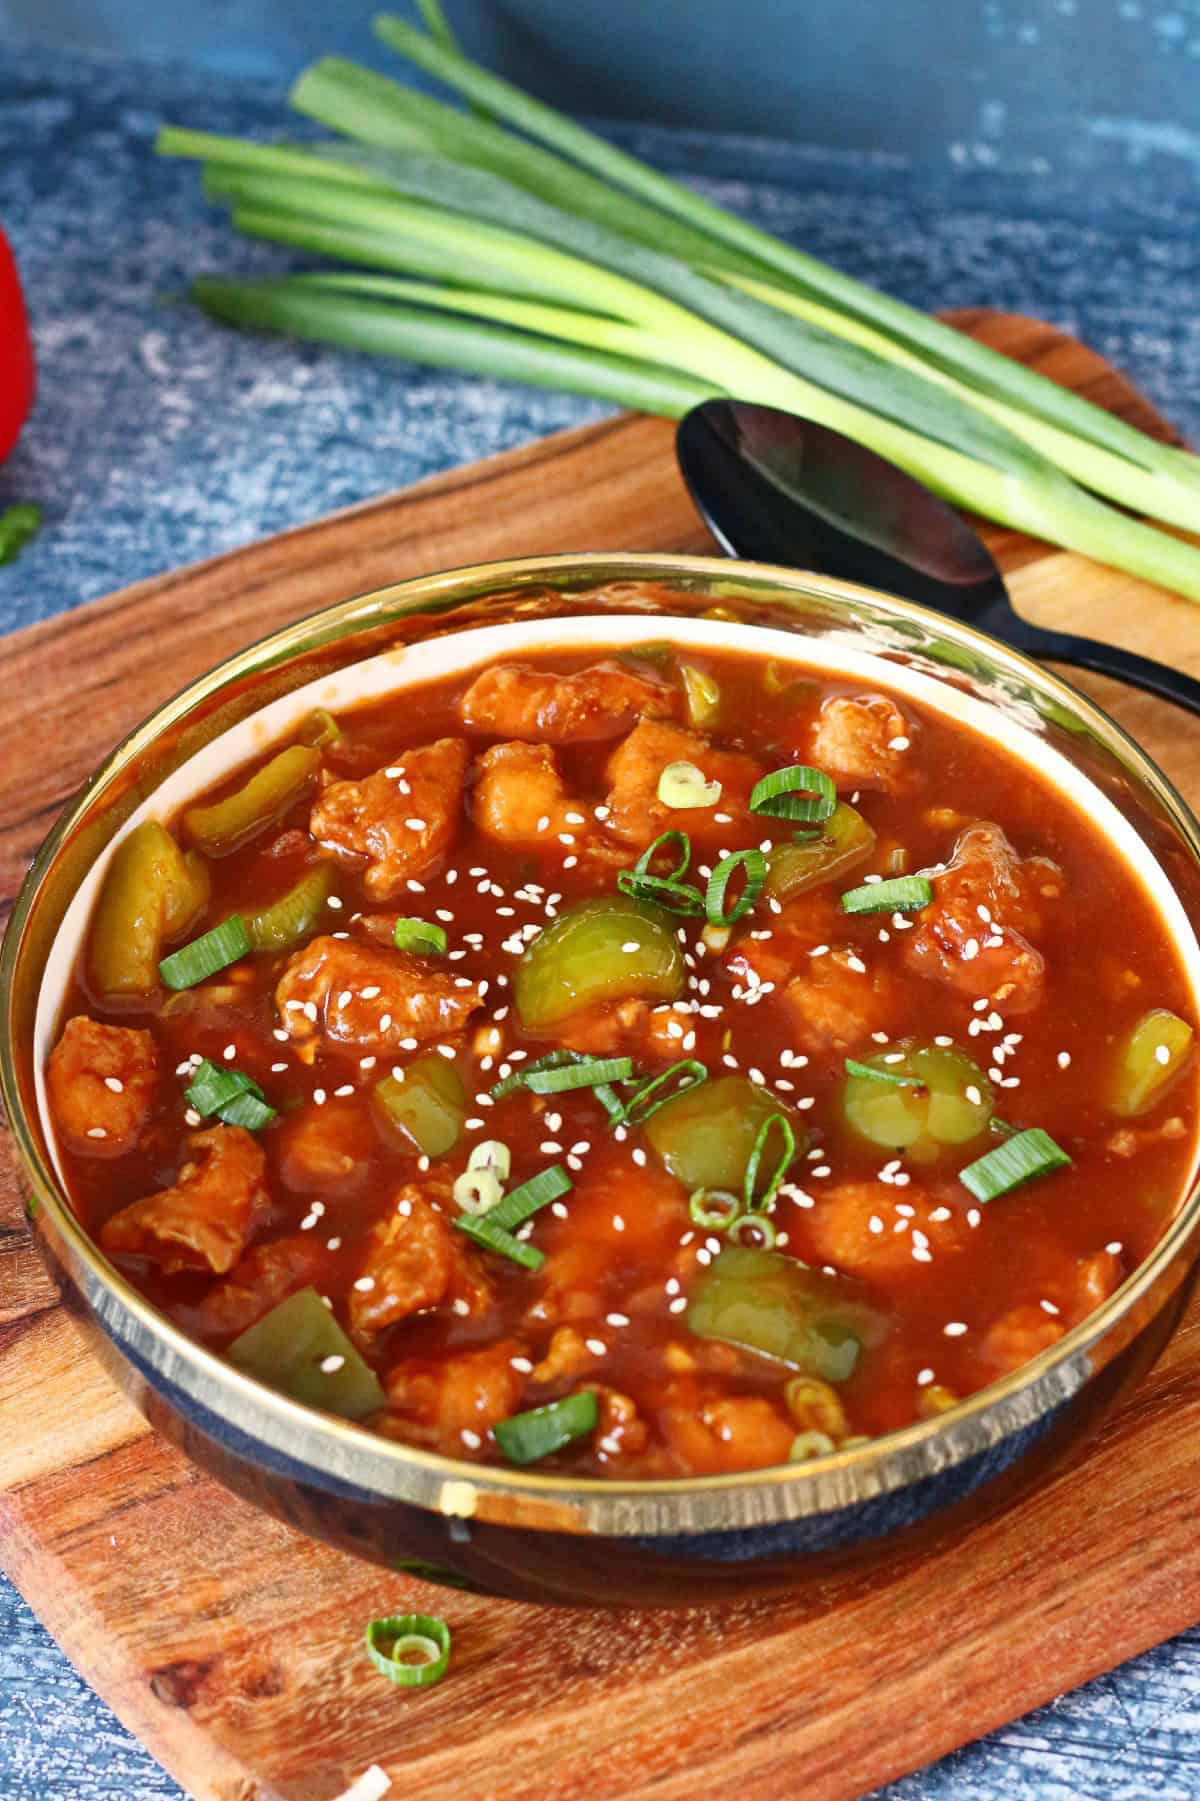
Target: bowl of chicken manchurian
{"x": 617, "y": 1079}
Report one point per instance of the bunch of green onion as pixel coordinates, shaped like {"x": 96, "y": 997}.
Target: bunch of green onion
{"x": 510, "y": 241}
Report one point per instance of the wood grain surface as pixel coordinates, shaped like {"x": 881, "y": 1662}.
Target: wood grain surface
{"x": 228, "y": 1643}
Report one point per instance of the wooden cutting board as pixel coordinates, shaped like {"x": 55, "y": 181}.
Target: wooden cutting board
{"x": 229, "y": 1644}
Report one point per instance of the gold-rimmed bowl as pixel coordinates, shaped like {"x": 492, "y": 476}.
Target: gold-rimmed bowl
{"x": 562, "y": 1538}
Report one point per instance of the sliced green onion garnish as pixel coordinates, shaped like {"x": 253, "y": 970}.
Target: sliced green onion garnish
{"x": 246, "y": 1110}
{"x": 418, "y": 1649}
{"x": 681, "y": 847}
{"x": 524, "y": 1078}
{"x": 676, "y": 897}
{"x": 528, "y": 1437}
{"x": 230, "y": 1095}
{"x": 587, "y": 1074}
{"x": 212, "y": 1086}
{"x": 493, "y": 1154}
{"x": 420, "y": 936}
{"x": 751, "y": 1229}
{"x": 478, "y": 1191}
{"x": 482, "y": 1228}
{"x": 520, "y": 1077}
{"x": 755, "y": 865}
{"x": 523, "y": 1202}
{"x": 712, "y": 1209}
{"x": 757, "y": 1203}
{"x": 683, "y": 785}
{"x": 646, "y": 1099}
{"x": 203, "y": 957}
{"x": 1019, "y": 1159}
{"x": 798, "y": 793}
{"x": 903, "y": 894}
{"x": 874, "y": 1074}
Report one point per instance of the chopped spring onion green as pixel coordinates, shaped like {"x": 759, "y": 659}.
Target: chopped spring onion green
{"x": 494, "y": 1226}
{"x": 522, "y": 1203}
{"x": 753, "y": 1229}
{"x": 18, "y": 524}
{"x": 410, "y": 1649}
{"x": 874, "y": 1074}
{"x": 798, "y": 793}
{"x": 676, "y": 897}
{"x": 677, "y": 1080}
{"x": 761, "y": 1203}
{"x": 587, "y": 1074}
{"x": 420, "y": 937}
{"x": 203, "y": 957}
{"x": 683, "y": 785}
{"x": 528, "y": 1437}
{"x": 230, "y": 1095}
{"x": 1019, "y": 1159}
{"x": 903, "y": 894}
{"x": 524, "y": 1078}
{"x": 668, "y": 890}
{"x": 712, "y": 1209}
{"x": 755, "y": 865}
{"x": 482, "y": 1228}
{"x": 248, "y": 1111}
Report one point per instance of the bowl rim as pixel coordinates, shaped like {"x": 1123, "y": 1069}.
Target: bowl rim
{"x": 456, "y": 1487}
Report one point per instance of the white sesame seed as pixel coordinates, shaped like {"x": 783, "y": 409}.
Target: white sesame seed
{"x": 639, "y": 1156}
{"x": 471, "y": 1439}
{"x": 616, "y": 1319}
{"x": 416, "y": 825}
{"x": 924, "y": 1378}
{"x": 330, "y": 1364}
{"x": 1115, "y": 1248}
{"x": 596, "y": 1346}
{"x": 900, "y": 743}
{"x": 365, "y": 1284}
{"x": 1048, "y": 1307}
{"x": 99, "y": 1131}
{"x": 955, "y": 1329}
{"x": 522, "y": 1365}
{"x": 229, "y": 1053}
{"x": 1162, "y": 1054}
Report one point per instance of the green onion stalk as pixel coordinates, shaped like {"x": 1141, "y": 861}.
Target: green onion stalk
{"x": 566, "y": 263}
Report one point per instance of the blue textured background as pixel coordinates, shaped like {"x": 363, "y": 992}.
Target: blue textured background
{"x": 158, "y": 438}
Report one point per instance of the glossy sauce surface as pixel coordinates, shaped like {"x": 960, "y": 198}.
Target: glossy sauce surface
{"x": 958, "y": 1291}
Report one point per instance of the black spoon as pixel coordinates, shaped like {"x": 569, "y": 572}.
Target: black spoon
{"x": 780, "y": 489}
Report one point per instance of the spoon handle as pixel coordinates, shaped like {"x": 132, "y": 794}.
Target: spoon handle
{"x": 1109, "y": 659}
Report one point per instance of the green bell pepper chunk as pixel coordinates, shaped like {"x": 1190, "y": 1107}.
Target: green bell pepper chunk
{"x": 152, "y": 892}
{"x": 767, "y": 1302}
{"x": 947, "y": 1100}
{"x": 706, "y": 1135}
{"x": 581, "y": 959}
{"x": 427, "y": 1109}
{"x": 846, "y": 840}
{"x": 287, "y": 1348}
{"x": 1149, "y": 1058}
{"x": 258, "y": 803}
{"x": 292, "y": 919}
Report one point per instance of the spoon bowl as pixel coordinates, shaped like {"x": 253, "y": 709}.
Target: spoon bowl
{"x": 777, "y": 488}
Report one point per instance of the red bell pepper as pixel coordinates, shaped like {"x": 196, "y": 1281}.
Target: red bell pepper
{"x": 16, "y": 353}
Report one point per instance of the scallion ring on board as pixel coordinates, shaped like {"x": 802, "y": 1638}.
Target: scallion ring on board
{"x": 420, "y": 1637}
